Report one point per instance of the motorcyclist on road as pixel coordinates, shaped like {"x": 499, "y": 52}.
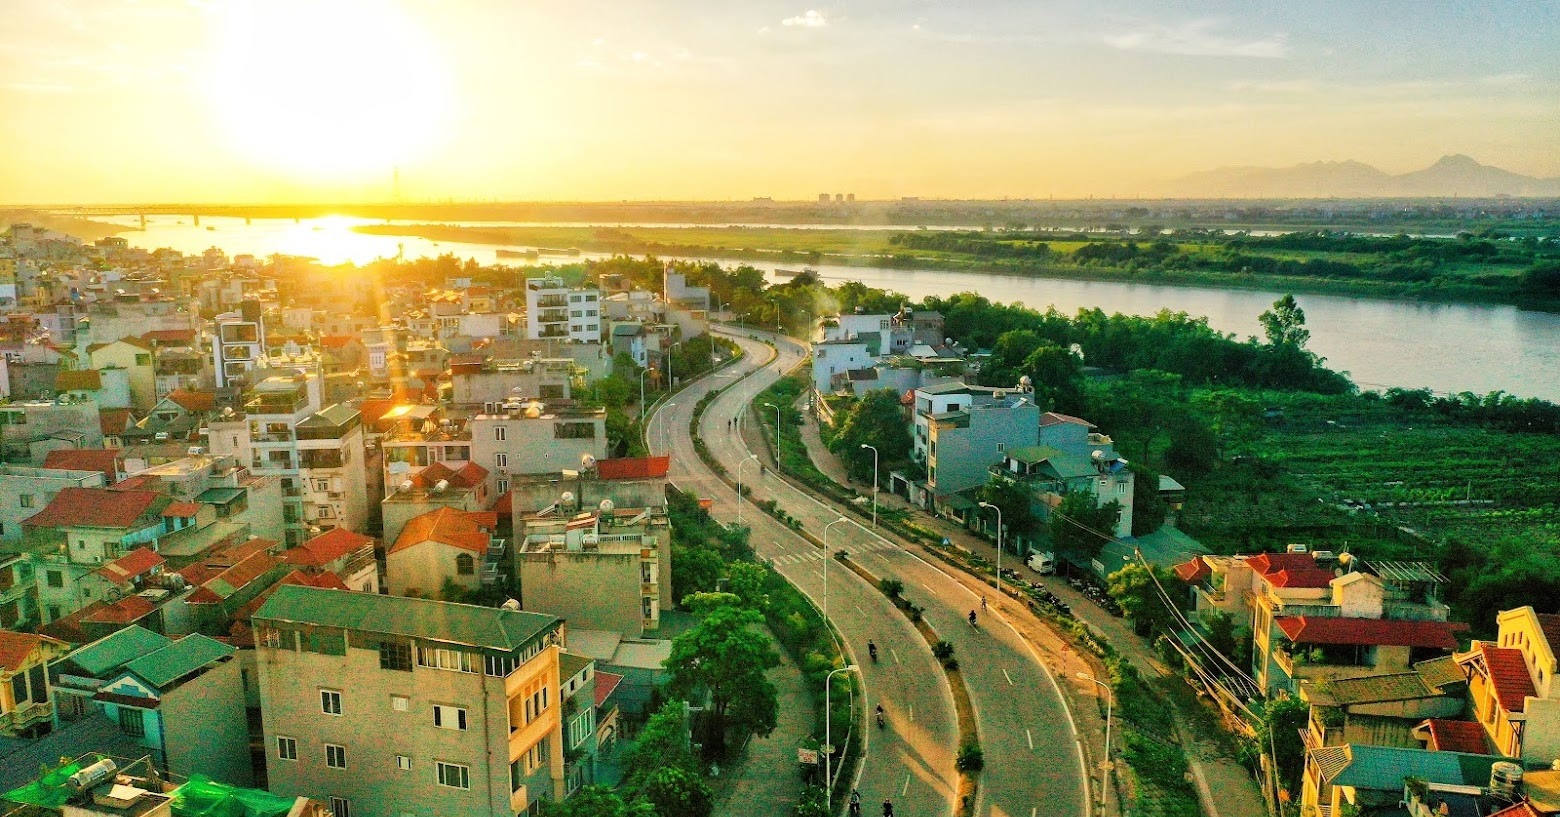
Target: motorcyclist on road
{"x": 983, "y": 603}
{"x": 872, "y": 651}
{"x": 972, "y": 618}
{"x": 880, "y": 715}
{"x": 888, "y": 809}
{"x": 855, "y": 803}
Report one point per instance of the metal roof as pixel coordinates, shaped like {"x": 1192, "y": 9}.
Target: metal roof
{"x": 1406, "y": 572}
{"x": 463, "y": 624}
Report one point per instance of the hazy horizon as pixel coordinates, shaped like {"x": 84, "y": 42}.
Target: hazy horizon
{"x": 138, "y": 101}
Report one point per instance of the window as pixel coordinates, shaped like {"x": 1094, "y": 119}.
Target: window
{"x": 454, "y": 775}
{"x": 503, "y": 488}
{"x": 453, "y": 660}
{"x": 55, "y": 578}
{"x": 335, "y": 756}
{"x": 395, "y": 656}
{"x": 340, "y": 807}
{"x": 326, "y": 512}
{"x": 1001, "y": 447}
{"x": 576, "y": 314}
{"x": 131, "y": 722}
{"x": 330, "y": 702}
{"x": 500, "y": 433}
{"x": 403, "y": 762}
{"x": 465, "y": 565}
{"x": 322, "y": 485}
{"x": 499, "y": 666}
{"x": 400, "y": 703}
{"x": 449, "y": 717}
{"x": 26, "y": 500}
{"x": 501, "y": 460}
{"x": 287, "y": 748}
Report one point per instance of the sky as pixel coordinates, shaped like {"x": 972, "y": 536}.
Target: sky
{"x": 125, "y": 101}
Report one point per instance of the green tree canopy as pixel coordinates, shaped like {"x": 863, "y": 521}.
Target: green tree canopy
{"x": 1057, "y": 376}
{"x": 727, "y": 655}
{"x": 878, "y": 420}
{"x": 675, "y": 791}
{"x": 1284, "y": 324}
{"x": 1134, "y": 589}
{"x": 1078, "y": 525}
{"x": 1014, "y": 500}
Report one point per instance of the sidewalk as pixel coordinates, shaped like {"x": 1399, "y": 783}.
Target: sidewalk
{"x": 1224, "y": 787}
{"x": 767, "y": 771}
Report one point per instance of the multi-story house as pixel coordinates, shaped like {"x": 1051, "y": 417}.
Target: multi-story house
{"x": 556, "y": 311}
{"x": 18, "y": 593}
{"x": 179, "y": 360}
{"x": 444, "y": 546}
{"x": 82, "y": 529}
{"x": 1051, "y": 473}
{"x": 959, "y": 432}
{"x": 24, "y": 491}
{"x": 25, "y": 705}
{"x": 331, "y": 460}
{"x": 486, "y": 385}
{"x": 1361, "y": 779}
{"x": 239, "y": 345}
{"x": 134, "y": 356}
{"x": 537, "y": 439}
{"x": 29, "y": 431}
{"x": 604, "y": 569}
{"x": 1419, "y": 708}
{"x": 383, "y": 705}
{"x": 1511, "y": 684}
{"x": 348, "y": 555}
{"x": 430, "y": 489}
{"x": 183, "y": 700}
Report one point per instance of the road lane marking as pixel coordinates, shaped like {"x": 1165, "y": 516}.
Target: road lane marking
{"x": 896, "y": 656}
{"x": 928, "y": 588}
{"x": 1008, "y": 677}
{"x": 858, "y": 609}
{"x": 905, "y": 789}
{"x": 1030, "y": 735}
{"x": 912, "y": 711}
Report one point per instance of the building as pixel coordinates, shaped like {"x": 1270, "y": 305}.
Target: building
{"x": 384, "y": 706}
{"x": 82, "y": 529}
{"x": 25, "y": 705}
{"x": 239, "y": 345}
{"x": 486, "y": 385}
{"x": 348, "y": 555}
{"x": 134, "y": 356}
{"x": 959, "y": 432}
{"x": 1511, "y": 685}
{"x": 556, "y": 311}
{"x": 1366, "y": 778}
{"x": 444, "y": 546}
{"x": 538, "y": 439}
{"x": 24, "y": 491}
{"x": 1051, "y": 474}
{"x": 604, "y": 569}
{"x": 183, "y": 700}
{"x": 29, "y": 431}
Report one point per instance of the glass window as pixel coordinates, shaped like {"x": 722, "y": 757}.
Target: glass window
{"x": 449, "y": 717}
{"x": 287, "y": 748}
{"x": 395, "y": 656}
{"x": 465, "y": 565}
{"x": 131, "y": 722}
{"x": 340, "y": 807}
{"x": 454, "y": 775}
{"x": 400, "y": 703}
{"x": 330, "y": 702}
{"x": 335, "y": 756}
{"x": 403, "y": 762}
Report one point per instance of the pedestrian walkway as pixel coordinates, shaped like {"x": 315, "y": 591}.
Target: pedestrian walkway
{"x": 767, "y": 772}
{"x": 1223, "y": 785}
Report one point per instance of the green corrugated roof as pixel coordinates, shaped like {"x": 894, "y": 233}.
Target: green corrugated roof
{"x": 118, "y": 649}
{"x": 1381, "y": 768}
{"x": 178, "y": 659}
{"x": 570, "y": 665}
{"x": 218, "y": 496}
{"x": 337, "y": 415}
{"x": 49, "y": 790}
{"x": 463, "y": 624}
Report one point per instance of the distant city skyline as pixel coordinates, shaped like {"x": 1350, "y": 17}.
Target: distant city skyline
{"x": 353, "y": 100}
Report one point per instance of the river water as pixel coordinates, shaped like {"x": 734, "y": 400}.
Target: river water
{"x": 1381, "y": 343}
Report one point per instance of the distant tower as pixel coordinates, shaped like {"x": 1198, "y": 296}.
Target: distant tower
{"x": 823, "y": 198}
{"x": 839, "y": 198}
{"x": 850, "y": 198}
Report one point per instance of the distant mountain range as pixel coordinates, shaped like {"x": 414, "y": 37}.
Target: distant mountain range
{"x": 1455, "y": 175}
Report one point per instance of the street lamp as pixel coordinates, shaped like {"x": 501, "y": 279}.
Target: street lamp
{"x": 874, "y": 482}
{"x": 1110, "y": 703}
{"x": 828, "y": 556}
{"x": 999, "y": 543}
{"x": 671, "y": 379}
{"x": 642, "y": 373}
{"x": 828, "y": 748}
{"x": 777, "y": 427}
{"x": 754, "y": 458}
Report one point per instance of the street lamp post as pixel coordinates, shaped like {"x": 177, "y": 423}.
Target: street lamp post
{"x": 671, "y": 379}
{"x": 754, "y": 458}
{"x": 642, "y": 373}
{"x": 999, "y": 543}
{"x": 828, "y": 738}
{"x": 1110, "y": 704}
{"x": 874, "y": 482}
{"x": 828, "y": 556}
{"x": 777, "y": 429}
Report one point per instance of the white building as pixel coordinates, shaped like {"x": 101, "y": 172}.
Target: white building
{"x": 556, "y": 311}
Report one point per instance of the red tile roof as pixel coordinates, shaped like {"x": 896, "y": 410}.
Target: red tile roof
{"x": 94, "y": 507}
{"x": 336, "y": 341}
{"x": 1457, "y": 736}
{"x": 86, "y": 380}
{"x": 372, "y": 410}
{"x": 1509, "y": 676}
{"x": 194, "y": 401}
{"x": 1522, "y": 809}
{"x": 1300, "y": 578}
{"x": 182, "y": 510}
{"x": 605, "y": 683}
{"x": 326, "y": 579}
{"x": 170, "y": 336}
{"x": 326, "y": 548}
{"x": 131, "y": 565}
{"x": 470, "y": 475}
{"x": 449, "y": 526}
{"x": 103, "y": 460}
{"x": 200, "y": 573}
{"x": 217, "y": 588}
{"x": 1368, "y": 632}
{"x": 124, "y": 611}
{"x": 633, "y": 467}
{"x": 505, "y": 504}
{"x": 1194, "y": 571}
{"x": 16, "y": 648}
{"x": 1052, "y": 418}
{"x": 113, "y": 421}
{"x": 1266, "y": 563}
{"x": 239, "y": 551}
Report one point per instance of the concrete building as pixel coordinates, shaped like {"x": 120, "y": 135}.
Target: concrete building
{"x": 556, "y": 311}
{"x": 24, "y": 491}
{"x": 538, "y": 439}
{"x": 604, "y": 569}
{"x": 831, "y": 358}
{"x": 339, "y": 551}
{"x": 444, "y": 546}
{"x": 488, "y": 384}
{"x": 82, "y": 529}
{"x": 386, "y": 706}
{"x": 960, "y": 431}
{"x": 1511, "y": 685}
{"x": 239, "y": 345}
{"x": 25, "y": 705}
{"x": 29, "y": 431}
{"x": 136, "y": 358}
{"x": 182, "y": 700}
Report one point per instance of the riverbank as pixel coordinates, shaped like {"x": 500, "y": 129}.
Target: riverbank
{"x": 877, "y": 248}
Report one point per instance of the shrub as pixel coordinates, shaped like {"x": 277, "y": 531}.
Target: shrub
{"x": 971, "y": 758}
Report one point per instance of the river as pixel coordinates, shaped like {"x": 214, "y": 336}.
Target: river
{"x": 1381, "y": 343}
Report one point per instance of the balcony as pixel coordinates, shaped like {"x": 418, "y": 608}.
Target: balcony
{"x": 25, "y": 715}
{"x": 551, "y": 302}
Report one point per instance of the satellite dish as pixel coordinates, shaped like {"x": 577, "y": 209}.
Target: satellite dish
{"x": 607, "y": 506}
{"x": 1098, "y": 455}
{"x": 509, "y": 604}
{"x": 587, "y": 461}
{"x": 406, "y": 485}
{"x": 567, "y": 498}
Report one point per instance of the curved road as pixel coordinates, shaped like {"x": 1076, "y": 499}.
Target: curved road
{"x": 909, "y": 762}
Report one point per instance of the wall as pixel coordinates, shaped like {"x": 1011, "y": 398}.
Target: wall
{"x": 424, "y": 567}
{"x": 204, "y": 726}
{"x": 593, "y": 591}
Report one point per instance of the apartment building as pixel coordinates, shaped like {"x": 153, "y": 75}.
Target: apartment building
{"x": 29, "y": 431}
{"x": 487, "y": 384}
{"x": 384, "y": 706}
{"x": 605, "y": 569}
{"x": 24, "y": 491}
{"x": 556, "y": 311}
{"x": 1051, "y": 473}
{"x": 1511, "y": 685}
{"x": 135, "y": 357}
{"x": 239, "y": 345}
{"x": 960, "y": 431}
{"x": 538, "y": 439}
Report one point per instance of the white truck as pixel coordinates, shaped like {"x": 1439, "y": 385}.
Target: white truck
{"x": 1042, "y": 563}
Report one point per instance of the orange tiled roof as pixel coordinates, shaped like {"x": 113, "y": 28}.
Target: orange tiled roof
{"x": 633, "y": 467}
{"x": 1549, "y": 624}
{"x": 102, "y": 460}
{"x": 169, "y": 336}
{"x": 182, "y": 510}
{"x": 194, "y": 401}
{"x": 1266, "y": 563}
{"x": 16, "y": 648}
{"x": 124, "y": 611}
{"x": 113, "y": 421}
{"x": 85, "y": 380}
{"x": 1509, "y": 676}
{"x": 131, "y": 565}
{"x": 1368, "y": 632}
{"x": 467, "y": 530}
{"x": 1194, "y": 571}
{"x": 94, "y": 507}
{"x": 1302, "y": 577}
{"x": 325, "y": 548}
{"x": 1457, "y": 736}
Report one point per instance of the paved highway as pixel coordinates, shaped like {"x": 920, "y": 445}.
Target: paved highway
{"x": 1033, "y": 762}
{"x": 910, "y": 761}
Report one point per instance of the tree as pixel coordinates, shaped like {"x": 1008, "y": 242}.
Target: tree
{"x": 597, "y": 801}
{"x": 698, "y": 570}
{"x": 1278, "y": 730}
{"x": 726, "y": 655}
{"x": 1285, "y": 323}
{"x": 1013, "y": 499}
{"x": 1006, "y": 364}
{"x": 746, "y": 581}
{"x": 1148, "y": 509}
{"x": 877, "y": 420}
{"x": 1057, "y": 375}
{"x": 675, "y": 791}
{"x": 1133, "y": 587}
{"x": 1078, "y": 525}
{"x": 662, "y": 742}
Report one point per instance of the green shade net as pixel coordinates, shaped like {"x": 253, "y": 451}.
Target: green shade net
{"x": 49, "y": 790}
{"x": 204, "y": 797}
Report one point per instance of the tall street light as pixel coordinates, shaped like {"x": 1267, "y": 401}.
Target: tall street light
{"x": 1110, "y": 704}
{"x": 828, "y": 556}
{"x": 642, "y": 373}
{"x": 745, "y": 460}
{"x": 828, "y": 748}
{"x": 874, "y": 481}
{"x": 777, "y": 430}
{"x": 671, "y": 379}
{"x": 999, "y": 543}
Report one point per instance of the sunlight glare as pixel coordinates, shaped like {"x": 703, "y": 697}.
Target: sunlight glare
{"x": 338, "y": 88}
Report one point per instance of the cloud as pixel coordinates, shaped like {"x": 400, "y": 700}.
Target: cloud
{"x": 1197, "y": 38}
{"x": 811, "y": 18}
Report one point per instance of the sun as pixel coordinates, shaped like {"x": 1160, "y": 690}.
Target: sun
{"x": 326, "y": 88}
